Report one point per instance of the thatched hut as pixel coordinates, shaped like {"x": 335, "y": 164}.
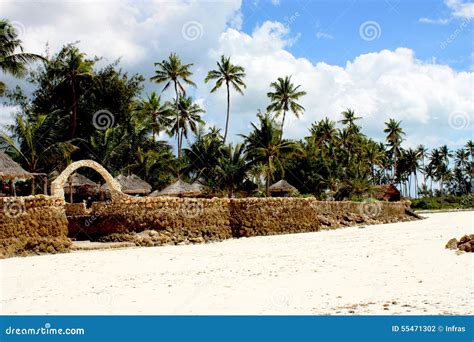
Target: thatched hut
{"x": 178, "y": 189}
{"x": 387, "y": 192}
{"x": 80, "y": 185}
{"x": 131, "y": 185}
{"x": 134, "y": 185}
{"x": 282, "y": 189}
{"x": 10, "y": 171}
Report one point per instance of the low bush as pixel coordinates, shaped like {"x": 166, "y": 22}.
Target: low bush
{"x": 446, "y": 202}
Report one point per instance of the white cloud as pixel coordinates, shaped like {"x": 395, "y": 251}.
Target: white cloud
{"x": 377, "y": 85}
{"x": 461, "y": 9}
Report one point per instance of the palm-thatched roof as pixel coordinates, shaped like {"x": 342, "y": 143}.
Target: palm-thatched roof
{"x": 198, "y": 187}
{"x": 76, "y": 181}
{"x": 282, "y": 186}
{"x": 9, "y": 169}
{"x": 131, "y": 185}
{"x": 177, "y": 189}
{"x": 134, "y": 185}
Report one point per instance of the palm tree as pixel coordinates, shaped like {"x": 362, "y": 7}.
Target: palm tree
{"x": 349, "y": 119}
{"x": 188, "y": 118}
{"x": 230, "y": 74}
{"x": 394, "y": 138}
{"x": 173, "y": 71}
{"x": 203, "y": 156}
{"x": 411, "y": 158}
{"x": 12, "y": 58}
{"x": 264, "y": 145}
{"x": 71, "y": 67}
{"x": 375, "y": 157}
{"x": 285, "y": 98}
{"x": 232, "y": 167}
{"x": 157, "y": 112}
{"x": 35, "y": 143}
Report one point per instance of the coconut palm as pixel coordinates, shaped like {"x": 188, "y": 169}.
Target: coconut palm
{"x": 71, "y": 67}
{"x": 233, "y": 167}
{"x": 188, "y": 118}
{"x": 173, "y": 72}
{"x": 411, "y": 160}
{"x": 160, "y": 114}
{"x": 284, "y": 99}
{"x": 13, "y": 60}
{"x": 394, "y": 138}
{"x": 264, "y": 145}
{"x": 375, "y": 157}
{"x": 349, "y": 119}
{"x": 35, "y": 143}
{"x": 229, "y": 74}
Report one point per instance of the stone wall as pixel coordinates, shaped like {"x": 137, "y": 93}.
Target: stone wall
{"x": 192, "y": 220}
{"x": 32, "y": 224}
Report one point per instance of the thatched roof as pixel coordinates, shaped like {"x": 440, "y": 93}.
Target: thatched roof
{"x": 198, "y": 187}
{"x": 282, "y": 186}
{"x": 132, "y": 185}
{"x": 387, "y": 192}
{"x": 177, "y": 189}
{"x": 9, "y": 169}
{"x": 76, "y": 181}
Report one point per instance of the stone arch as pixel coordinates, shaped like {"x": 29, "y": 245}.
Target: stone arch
{"x": 57, "y": 186}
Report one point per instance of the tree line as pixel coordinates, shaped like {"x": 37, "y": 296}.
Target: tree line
{"x": 57, "y": 124}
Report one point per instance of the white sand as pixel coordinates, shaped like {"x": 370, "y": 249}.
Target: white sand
{"x": 403, "y": 266}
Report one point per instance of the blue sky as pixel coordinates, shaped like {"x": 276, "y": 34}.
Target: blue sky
{"x": 338, "y": 23}
{"x": 408, "y": 60}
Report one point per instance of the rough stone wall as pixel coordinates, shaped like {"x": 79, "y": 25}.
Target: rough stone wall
{"x": 32, "y": 224}
{"x": 177, "y": 219}
{"x": 189, "y": 220}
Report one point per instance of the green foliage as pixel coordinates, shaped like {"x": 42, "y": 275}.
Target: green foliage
{"x": 446, "y": 202}
{"x": 56, "y": 125}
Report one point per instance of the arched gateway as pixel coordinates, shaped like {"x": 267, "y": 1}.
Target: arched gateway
{"x": 57, "y": 186}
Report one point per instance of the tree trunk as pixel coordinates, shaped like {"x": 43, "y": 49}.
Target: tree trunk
{"x": 74, "y": 110}
{"x": 177, "y": 119}
{"x": 282, "y": 123}
{"x": 228, "y": 112}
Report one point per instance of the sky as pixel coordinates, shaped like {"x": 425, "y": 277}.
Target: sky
{"x": 408, "y": 60}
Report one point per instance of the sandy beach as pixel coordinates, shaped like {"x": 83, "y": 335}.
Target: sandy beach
{"x": 400, "y": 268}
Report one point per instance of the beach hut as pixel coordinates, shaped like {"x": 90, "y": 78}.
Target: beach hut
{"x": 134, "y": 185}
{"x": 199, "y": 189}
{"x": 80, "y": 185}
{"x": 177, "y": 189}
{"x": 282, "y": 189}
{"x": 387, "y": 192}
{"x": 10, "y": 171}
{"x": 131, "y": 185}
